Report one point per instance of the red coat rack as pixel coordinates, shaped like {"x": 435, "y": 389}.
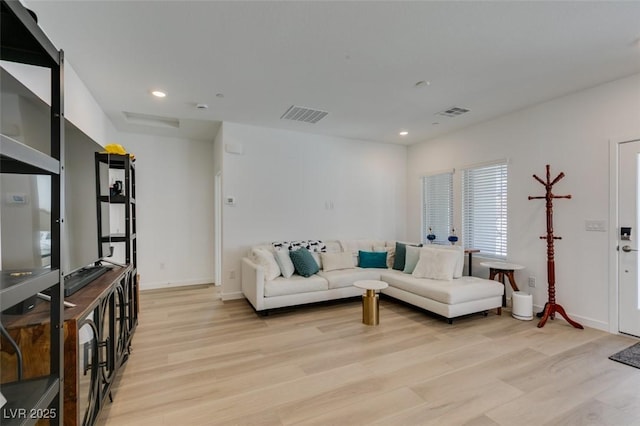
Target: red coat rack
{"x": 551, "y": 307}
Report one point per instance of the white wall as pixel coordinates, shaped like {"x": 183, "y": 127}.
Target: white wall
{"x": 291, "y": 185}
{"x": 174, "y": 195}
{"x": 571, "y": 134}
{"x": 80, "y": 107}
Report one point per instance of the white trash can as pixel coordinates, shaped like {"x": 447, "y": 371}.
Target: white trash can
{"x": 522, "y": 305}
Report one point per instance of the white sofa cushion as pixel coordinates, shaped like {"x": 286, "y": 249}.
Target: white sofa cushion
{"x": 354, "y": 246}
{"x": 346, "y": 277}
{"x": 435, "y": 264}
{"x": 266, "y": 259}
{"x": 296, "y": 284}
{"x": 335, "y": 261}
{"x": 464, "y": 289}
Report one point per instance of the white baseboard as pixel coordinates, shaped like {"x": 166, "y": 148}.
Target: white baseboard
{"x": 584, "y": 321}
{"x": 231, "y": 296}
{"x": 158, "y": 285}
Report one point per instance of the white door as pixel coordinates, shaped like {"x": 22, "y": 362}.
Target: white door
{"x": 628, "y": 209}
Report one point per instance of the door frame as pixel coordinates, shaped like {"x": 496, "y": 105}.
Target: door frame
{"x": 217, "y": 237}
{"x": 614, "y": 169}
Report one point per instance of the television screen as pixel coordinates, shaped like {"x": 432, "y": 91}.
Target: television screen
{"x": 83, "y": 239}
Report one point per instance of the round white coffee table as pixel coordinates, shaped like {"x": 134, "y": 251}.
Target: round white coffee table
{"x": 370, "y": 308}
{"x": 500, "y": 270}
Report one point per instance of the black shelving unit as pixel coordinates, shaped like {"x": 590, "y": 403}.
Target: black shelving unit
{"x": 22, "y": 41}
{"x": 126, "y": 198}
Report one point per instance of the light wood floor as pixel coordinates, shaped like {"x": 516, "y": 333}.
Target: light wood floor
{"x": 199, "y": 361}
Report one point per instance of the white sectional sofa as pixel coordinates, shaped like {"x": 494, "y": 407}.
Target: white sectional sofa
{"x": 446, "y": 292}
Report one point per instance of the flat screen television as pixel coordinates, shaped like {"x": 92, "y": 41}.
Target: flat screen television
{"x": 85, "y": 244}
{"x": 25, "y": 200}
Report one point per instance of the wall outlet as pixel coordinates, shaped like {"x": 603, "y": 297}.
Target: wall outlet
{"x": 532, "y": 281}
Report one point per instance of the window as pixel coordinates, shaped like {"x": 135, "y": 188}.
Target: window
{"x": 484, "y": 209}
{"x": 437, "y": 208}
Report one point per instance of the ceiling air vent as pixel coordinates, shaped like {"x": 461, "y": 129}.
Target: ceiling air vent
{"x": 306, "y": 115}
{"x": 151, "y": 120}
{"x": 453, "y": 112}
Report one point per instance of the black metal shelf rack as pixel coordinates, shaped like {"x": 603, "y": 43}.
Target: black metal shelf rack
{"x": 127, "y": 198}
{"x": 23, "y": 41}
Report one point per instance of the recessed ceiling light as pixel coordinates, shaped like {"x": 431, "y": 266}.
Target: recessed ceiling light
{"x": 422, "y": 83}
{"x": 158, "y": 94}
{"x": 219, "y": 95}
{"x": 403, "y": 133}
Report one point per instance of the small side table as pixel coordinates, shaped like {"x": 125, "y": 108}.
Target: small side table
{"x": 502, "y": 269}
{"x": 370, "y": 308}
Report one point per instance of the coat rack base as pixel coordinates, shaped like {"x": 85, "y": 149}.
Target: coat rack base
{"x": 550, "y": 310}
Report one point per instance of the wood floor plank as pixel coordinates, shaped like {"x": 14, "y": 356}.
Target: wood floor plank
{"x": 367, "y": 411}
{"x": 199, "y": 361}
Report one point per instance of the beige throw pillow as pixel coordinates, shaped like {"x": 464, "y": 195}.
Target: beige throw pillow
{"x": 264, "y": 258}
{"x": 334, "y": 261}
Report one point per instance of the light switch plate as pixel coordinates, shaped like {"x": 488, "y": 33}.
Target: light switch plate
{"x": 595, "y": 225}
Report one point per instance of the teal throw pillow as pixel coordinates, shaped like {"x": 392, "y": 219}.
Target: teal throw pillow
{"x": 303, "y": 262}
{"x": 401, "y": 253}
{"x": 371, "y": 259}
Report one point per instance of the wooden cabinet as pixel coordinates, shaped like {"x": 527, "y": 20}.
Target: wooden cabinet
{"x": 97, "y": 342}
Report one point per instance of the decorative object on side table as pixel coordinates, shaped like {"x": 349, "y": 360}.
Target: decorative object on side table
{"x": 453, "y": 238}
{"x": 550, "y": 308}
{"x": 431, "y": 236}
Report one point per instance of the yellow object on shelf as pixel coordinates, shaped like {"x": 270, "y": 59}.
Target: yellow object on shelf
{"x": 116, "y": 148}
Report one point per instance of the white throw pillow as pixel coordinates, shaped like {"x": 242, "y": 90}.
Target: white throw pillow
{"x": 285, "y": 263}
{"x": 457, "y": 273}
{"x": 265, "y": 258}
{"x": 436, "y": 264}
{"x": 333, "y": 261}
{"x": 411, "y": 259}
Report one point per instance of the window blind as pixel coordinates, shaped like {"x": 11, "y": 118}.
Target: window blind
{"x": 484, "y": 207}
{"x": 437, "y": 208}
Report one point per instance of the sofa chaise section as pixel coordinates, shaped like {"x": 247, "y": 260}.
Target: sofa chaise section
{"x": 450, "y": 299}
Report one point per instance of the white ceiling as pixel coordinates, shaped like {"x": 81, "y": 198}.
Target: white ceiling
{"x": 359, "y": 61}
